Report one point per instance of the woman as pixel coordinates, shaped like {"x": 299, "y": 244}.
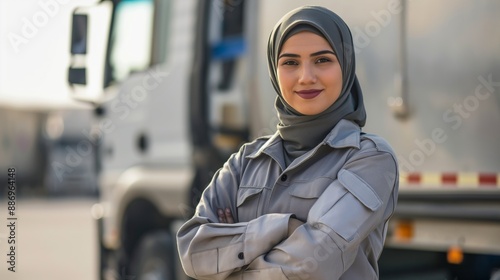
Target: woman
{"x": 313, "y": 200}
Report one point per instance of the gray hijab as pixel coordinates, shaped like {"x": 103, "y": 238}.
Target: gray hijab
{"x": 301, "y": 133}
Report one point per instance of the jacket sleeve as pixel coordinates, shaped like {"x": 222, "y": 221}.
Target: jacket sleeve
{"x": 212, "y": 250}
{"x": 357, "y": 204}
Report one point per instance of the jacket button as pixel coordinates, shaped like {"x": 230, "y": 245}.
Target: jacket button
{"x": 284, "y": 177}
{"x": 241, "y": 256}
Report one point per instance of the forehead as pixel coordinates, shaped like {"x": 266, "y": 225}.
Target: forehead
{"x": 304, "y": 42}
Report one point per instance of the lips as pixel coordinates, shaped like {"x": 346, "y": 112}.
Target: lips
{"x": 309, "y": 94}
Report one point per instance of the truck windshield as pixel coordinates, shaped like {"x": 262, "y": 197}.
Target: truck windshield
{"x": 131, "y": 37}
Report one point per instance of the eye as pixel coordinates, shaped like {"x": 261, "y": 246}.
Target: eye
{"x": 323, "y": 60}
{"x": 290, "y": 62}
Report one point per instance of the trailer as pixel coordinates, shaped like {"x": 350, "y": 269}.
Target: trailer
{"x": 180, "y": 85}
{"x": 21, "y": 147}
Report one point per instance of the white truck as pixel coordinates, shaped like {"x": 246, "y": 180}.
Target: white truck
{"x": 180, "y": 84}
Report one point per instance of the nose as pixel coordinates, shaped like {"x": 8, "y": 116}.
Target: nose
{"x": 307, "y": 74}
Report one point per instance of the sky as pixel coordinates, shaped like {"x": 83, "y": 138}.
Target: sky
{"x": 34, "y": 53}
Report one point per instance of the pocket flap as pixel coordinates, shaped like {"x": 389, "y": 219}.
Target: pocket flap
{"x": 312, "y": 189}
{"x": 360, "y": 189}
{"x": 306, "y": 192}
{"x": 244, "y": 193}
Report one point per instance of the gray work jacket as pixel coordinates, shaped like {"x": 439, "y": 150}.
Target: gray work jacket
{"x": 345, "y": 190}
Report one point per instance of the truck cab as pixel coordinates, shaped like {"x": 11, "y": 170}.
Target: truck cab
{"x": 171, "y": 110}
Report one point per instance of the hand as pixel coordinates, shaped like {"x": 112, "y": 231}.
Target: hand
{"x": 293, "y": 224}
{"x": 225, "y": 216}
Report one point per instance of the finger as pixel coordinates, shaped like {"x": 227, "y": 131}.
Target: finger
{"x": 229, "y": 216}
{"x": 222, "y": 217}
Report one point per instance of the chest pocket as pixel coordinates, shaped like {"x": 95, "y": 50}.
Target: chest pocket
{"x": 248, "y": 202}
{"x": 304, "y": 194}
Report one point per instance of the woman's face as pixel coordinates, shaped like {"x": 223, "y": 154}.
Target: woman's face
{"x": 309, "y": 73}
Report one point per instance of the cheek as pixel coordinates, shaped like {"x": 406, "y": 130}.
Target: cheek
{"x": 284, "y": 81}
{"x": 336, "y": 82}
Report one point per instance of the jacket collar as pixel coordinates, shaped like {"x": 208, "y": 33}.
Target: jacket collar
{"x": 344, "y": 135}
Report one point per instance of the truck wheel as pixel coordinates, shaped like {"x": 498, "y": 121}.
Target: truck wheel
{"x": 154, "y": 259}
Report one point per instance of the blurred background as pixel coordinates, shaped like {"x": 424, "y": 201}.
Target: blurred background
{"x": 115, "y": 114}
{"x": 40, "y": 123}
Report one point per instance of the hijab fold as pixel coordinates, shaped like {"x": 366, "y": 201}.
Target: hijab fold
{"x": 301, "y": 133}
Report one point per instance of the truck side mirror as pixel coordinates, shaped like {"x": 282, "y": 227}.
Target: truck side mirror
{"x": 79, "y": 34}
{"x": 88, "y": 49}
{"x": 78, "y": 75}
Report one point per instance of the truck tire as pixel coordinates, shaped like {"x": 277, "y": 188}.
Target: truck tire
{"x": 154, "y": 257}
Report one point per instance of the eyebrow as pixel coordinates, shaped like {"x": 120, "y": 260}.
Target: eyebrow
{"x": 313, "y": 54}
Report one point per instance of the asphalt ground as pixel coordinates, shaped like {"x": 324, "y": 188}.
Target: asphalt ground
{"x": 55, "y": 238}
